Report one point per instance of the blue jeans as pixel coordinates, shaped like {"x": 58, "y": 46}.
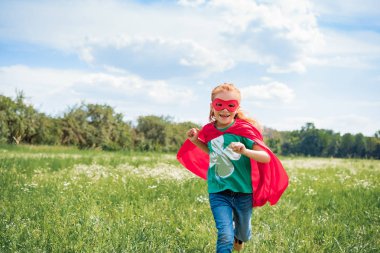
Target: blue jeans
{"x": 232, "y": 214}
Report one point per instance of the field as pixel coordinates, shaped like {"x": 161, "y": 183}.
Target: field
{"x": 57, "y": 199}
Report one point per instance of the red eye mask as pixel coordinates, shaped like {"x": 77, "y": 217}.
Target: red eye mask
{"x": 230, "y": 105}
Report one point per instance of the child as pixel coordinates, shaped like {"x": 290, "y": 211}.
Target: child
{"x": 241, "y": 171}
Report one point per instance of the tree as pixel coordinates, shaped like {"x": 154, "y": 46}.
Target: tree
{"x": 17, "y": 119}
{"x": 5, "y": 104}
{"x": 346, "y": 148}
{"x": 107, "y": 128}
{"x": 74, "y": 126}
{"x": 359, "y": 146}
{"x": 273, "y": 139}
{"x": 373, "y": 147}
{"x": 48, "y": 131}
{"x": 274, "y": 145}
{"x": 152, "y": 132}
{"x": 290, "y": 145}
{"x": 95, "y": 126}
{"x": 310, "y": 140}
{"x": 332, "y": 143}
{"x": 175, "y": 134}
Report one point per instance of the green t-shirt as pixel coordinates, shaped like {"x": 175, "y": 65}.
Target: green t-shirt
{"x": 228, "y": 170}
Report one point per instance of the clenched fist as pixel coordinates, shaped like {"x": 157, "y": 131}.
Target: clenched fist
{"x": 192, "y": 134}
{"x": 237, "y": 147}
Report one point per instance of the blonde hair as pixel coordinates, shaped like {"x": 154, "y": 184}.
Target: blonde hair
{"x": 240, "y": 114}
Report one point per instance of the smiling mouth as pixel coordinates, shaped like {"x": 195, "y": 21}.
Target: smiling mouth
{"x": 224, "y": 116}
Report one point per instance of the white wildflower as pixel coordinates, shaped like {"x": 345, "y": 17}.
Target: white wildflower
{"x": 159, "y": 171}
{"x": 363, "y": 183}
{"x": 310, "y": 192}
{"x": 93, "y": 171}
{"x": 202, "y": 199}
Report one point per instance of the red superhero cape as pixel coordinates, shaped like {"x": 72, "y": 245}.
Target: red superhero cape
{"x": 269, "y": 180}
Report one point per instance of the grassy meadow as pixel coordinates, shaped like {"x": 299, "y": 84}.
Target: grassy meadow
{"x": 58, "y": 199}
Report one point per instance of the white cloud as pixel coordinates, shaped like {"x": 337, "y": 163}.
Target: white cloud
{"x": 211, "y": 38}
{"x": 54, "y": 89}
{"x": 208, "y": 37}
{"x": 272, "y": 90}
{"x": 298, "y": 67}
{"x": 36, "y": 81}
{"x": 128, "y": 84}
{"x": 353, "y": 49}
{"x": 191, "y": 3}
{"x": 280, "y": 34}
{"x": 161, "y": 93}
{"x": 350, "y": 123}
{"x": 158, "y": 56}
{"x": 188, "y": 39}
{"x": 85, "y": 54}
{"x": 291, "y": 123}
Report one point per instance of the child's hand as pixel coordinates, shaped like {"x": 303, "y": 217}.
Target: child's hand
{"x": 237, "y": 147}
{"x": 192, "y": 134}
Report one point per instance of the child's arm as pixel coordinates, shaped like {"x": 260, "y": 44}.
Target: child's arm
{"x": 192, "y": 135}
{"x": 256, "y": 153}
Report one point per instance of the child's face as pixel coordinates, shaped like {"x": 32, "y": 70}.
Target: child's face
{"x": 225, "y": 117}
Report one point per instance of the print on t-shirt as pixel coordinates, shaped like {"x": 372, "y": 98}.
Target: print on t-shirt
{"x": 221, "y": 157}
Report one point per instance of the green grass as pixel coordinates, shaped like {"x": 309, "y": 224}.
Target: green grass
{"x": 59, "y": 199}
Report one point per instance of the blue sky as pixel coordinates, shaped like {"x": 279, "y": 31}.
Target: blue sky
{"x": 294, "y": 61}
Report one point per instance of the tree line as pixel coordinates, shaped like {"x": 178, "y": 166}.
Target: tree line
{"x": 100, "y": 127}
{"x": 310, "y": 141}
